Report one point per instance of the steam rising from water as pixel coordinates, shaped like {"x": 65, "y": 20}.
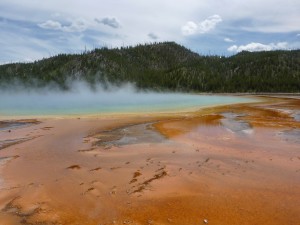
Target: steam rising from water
{"x": 81, "y": 99}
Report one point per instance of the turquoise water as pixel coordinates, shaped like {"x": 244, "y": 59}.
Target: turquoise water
{"x": 101, "y": 102}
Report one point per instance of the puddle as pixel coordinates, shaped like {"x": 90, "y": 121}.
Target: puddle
{"x": 232, "y": 123}
{"x": 134, "y": 134}
{"x": 11, "y": 125}
{"x": 296, "y": 115}
{"x": 292, "y": 135}
{"x": 7, "y": 143}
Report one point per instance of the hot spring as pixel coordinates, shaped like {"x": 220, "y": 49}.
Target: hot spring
{"x": 84, "y": 101}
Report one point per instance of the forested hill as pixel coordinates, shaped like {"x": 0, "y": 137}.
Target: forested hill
{"x": 163, "y": 66}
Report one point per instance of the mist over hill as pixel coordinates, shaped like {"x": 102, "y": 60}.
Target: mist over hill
{"x": 163, "y": 66}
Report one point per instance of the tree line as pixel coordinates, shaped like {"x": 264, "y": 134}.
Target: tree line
{"x": 163, "y": 66}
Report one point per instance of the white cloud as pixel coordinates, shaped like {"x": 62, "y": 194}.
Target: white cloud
{"x": 75, "y": 26}
{"x": 228, "y": 40}
{"x": 139, "y": 18}
{"x": 189, "y": 28}
{"x": 50, "y": 24}
{"x": 205, "y": 26}
{"x": 153, "y": 36}
{"x": 298, "y": 35}
{"x": 209, "y": 24}
{"x": 256, "y": 47}
{"x": 110, "y": 21}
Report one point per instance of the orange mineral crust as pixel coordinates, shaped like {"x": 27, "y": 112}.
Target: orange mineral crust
{"x": 227, "y": 165}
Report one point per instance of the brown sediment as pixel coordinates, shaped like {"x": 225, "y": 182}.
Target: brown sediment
{"x": 143, "y": 186}
{"x": 77, "y": 167}
{"x": 86, "y": 150}
{"x": 215, "y": 174}
{"x": 268, "y": 115}
{"x": 180, "y": 126}
{"x": 135, "y": 175}
{"x": 96, "y": 169}
{"x": 46, "y": 128}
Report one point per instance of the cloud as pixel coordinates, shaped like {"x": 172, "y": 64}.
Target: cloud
{"x": 205, "y": 26}
{"x": 51, "y": 25}
{"x": 109, "y": 21}
{"x": 75, "y": 26}
{"x": 209, "y": 24}
{"x": 256, "y": 47}
{"x": 298, "y": 35}
{"x": 70, "y": 29}
{"x": 228, "y": 40}
{"x": 189, "y": 28}
{"x": 153, "y": 36}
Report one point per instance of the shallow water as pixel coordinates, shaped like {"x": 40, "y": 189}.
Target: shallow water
{"x": 100, "y": 102}
{"x": 133, "y": 134}
{"x": 232, "y": 123}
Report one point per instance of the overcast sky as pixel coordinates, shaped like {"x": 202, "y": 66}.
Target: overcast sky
{"x": 33, "y": 29}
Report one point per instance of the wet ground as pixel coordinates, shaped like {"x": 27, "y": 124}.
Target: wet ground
{"x": 133, "y": 134}
{"x": 8, "y": 125}
{"x": 226, "y": 165}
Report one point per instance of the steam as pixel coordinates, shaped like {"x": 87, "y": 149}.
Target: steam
{"x": 82, "y": 99}
{"x": 79, "y": 99}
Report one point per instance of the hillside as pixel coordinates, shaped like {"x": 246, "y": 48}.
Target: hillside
{"x": 163, "y": 66}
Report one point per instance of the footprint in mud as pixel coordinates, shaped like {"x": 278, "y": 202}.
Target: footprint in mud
{"x": 143, "y": 186}
{"x": 46, "y": 128}
{"x": 115, "y": 168}
{"x": 113, "y": 190}
{"x": 96, "y": 169}
{"x": 199, "y": 163}
{"x": 86, "y": 150}
{"x": 135, "y": 175}
{"x": 88, "y": 190}
{"x": 160, "y": 169}
{"x": 74, "y": 167}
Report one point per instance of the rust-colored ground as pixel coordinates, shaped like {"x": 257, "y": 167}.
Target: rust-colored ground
{"x": 228, "y": 165}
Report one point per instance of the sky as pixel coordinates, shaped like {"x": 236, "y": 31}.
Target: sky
{"x": 33, "y": 29}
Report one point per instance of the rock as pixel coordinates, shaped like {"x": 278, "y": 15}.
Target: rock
{"x": 205, "y": 221}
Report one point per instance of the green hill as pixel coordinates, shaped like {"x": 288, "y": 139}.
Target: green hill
{"x": 163, "y": 66}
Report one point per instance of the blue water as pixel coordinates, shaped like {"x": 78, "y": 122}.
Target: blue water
{"x": 119, "y": 101}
